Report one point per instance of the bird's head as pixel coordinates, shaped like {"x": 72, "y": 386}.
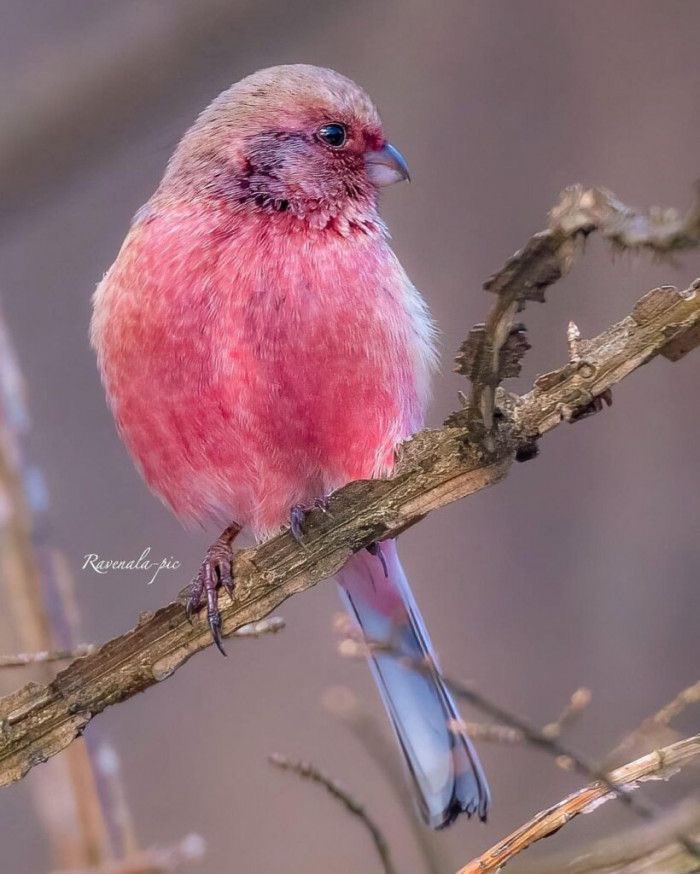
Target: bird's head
{"x": 293, "y": 139}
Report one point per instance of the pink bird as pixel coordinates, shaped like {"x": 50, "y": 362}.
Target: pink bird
{"x": 260, "y": 346}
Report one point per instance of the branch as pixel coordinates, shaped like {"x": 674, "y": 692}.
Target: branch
{"x": 308, "y": 771}
{"x": 492, "y": 351}
{"x": 434, "y": 468}
{"x": 22, "y": 659}
{"x": 261, "y": 628}
{"x": 655, "y": 731}
{"x": 652, "y": 766}
{"x": 496, "y": 732}
{"x": 151, "y": 861}
{"x": 357, "y": 645}
{"x": 648, "y": 849}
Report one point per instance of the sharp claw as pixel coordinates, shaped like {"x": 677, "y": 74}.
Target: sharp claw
{"x": 213, "y": 615}
{"x": 296, "y": 520}
{"x": 322, "y": 504}
{"x": 375, "y": 549}
{"x": 216, "y": 570}
{"x": 229, "y": 584}
{"x": 215, "y": 628}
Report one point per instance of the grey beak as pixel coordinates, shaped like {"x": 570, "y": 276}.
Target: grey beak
{"x": 386, "y": 166}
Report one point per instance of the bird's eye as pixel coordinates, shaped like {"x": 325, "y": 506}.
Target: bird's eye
{"x": 333, "y": 135}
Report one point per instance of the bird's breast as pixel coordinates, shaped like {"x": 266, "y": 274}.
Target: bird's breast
{"x": 238, "y": 361}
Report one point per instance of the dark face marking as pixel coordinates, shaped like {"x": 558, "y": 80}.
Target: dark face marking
{"x": 293, "y": 171}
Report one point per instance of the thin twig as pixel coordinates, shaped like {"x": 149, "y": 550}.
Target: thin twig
{"x": 65, "y": 795}
{"x": 496, "y": 733}
{"x": 664, "y": 762}
{"x": 155, "y": 860}
{"x": 308, "y": 771}
{"x": 342, "y": 703}
{"x": 22, "y": 659}
{"x": 360, "y": 648}
{"x": 655, "y": 730}
{"x": 674, "y": 708}
{"x": 261, "y": 628}
{"x": 574, "y": 707}
{"x": 551, "y": 744}
{"x": 490, "y": 732}
{"x": 108, "y": 767}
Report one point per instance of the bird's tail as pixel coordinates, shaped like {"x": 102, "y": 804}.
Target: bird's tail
{"x": 442, "y": 762}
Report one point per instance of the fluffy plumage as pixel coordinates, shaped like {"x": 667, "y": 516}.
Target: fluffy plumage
{"x": 259, "y": 342}
{"x": 256, "y": 356}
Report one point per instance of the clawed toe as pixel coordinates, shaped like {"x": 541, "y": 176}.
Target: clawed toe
{"x": 215, "y": 571}
{"x": 376, "y": 549}
{"x": 322, "y": 504}
{"x": 297, "y": 514}
{"x": 214, "y": 619}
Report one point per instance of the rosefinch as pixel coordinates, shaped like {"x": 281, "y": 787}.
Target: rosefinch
{"x": 260, "y": 346}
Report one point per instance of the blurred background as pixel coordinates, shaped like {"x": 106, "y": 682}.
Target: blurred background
{"x": 580, "y": 569}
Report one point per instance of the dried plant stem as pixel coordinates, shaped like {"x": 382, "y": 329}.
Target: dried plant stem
{"x": 574, "y": 707}
{"x": 22, "y": 659}
{"x": 661, "y": 762}
{"x": 674, "y": 708}
{"x": 496, "y": 733}
{"x": 156, "y": 860}
{"x": 65, "y": 795}
{"x": 647, "y": 849}
{"x": 492, "y": 732}
{"x": 655, "y": 730}
{"x": 271, "y": 625}
{"x": 308, "y": 771}
{"x": 359, "y": 648}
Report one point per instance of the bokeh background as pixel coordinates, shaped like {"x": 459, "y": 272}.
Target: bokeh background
{"x": 580, "y": 569}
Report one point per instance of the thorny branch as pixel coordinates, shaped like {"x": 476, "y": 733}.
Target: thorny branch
{"x": 493, "y": 351}
{"x": 434, "y": 468}
{"x": 307, "y": 771}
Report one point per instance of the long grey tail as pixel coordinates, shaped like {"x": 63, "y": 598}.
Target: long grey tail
{"x": 442, "y": 763}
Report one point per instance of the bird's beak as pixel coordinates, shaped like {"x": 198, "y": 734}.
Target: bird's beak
{"x": 386, "y": 166}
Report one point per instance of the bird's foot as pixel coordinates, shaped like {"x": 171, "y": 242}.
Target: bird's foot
{"x": 297, "y": 516}
{"x": 215, "y": 571}
{"x": 376, "y": 549}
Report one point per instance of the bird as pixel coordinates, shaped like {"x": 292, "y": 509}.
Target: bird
{"x": 261, "y": 345}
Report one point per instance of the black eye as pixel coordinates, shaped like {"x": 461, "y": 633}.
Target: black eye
{"x": 333, "y": 135}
